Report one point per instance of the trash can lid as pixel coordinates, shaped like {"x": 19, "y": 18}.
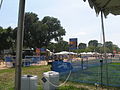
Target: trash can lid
{"x": 29, "y": 76}
{"x": 51, "y": 73}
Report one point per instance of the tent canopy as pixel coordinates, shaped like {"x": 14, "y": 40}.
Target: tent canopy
{"x": 65, "y": 53}
{"x": 107, "y": 6}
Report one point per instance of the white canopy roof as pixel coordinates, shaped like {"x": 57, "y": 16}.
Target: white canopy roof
{"x": 65, "y": 53}
{"x": 90, "y": 53}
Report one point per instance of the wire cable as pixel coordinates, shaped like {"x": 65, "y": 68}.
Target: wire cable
{"x": 62, "y": 83}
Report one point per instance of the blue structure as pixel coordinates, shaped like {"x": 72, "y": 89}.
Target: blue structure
{"x": 73, "y": 43}
{"x": 60, "y": 66}
{"x": 26, "y": 64}
{"x": 8, "y": 59}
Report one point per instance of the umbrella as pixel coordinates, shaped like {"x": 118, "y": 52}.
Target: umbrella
{"x": 105, "y": 7}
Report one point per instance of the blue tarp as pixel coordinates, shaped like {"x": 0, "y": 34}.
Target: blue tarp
{"x": 60, "y": 66}
{"x": 8, "y": 59}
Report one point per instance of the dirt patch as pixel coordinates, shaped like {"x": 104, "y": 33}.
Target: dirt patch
{"x": 2, "y": 65}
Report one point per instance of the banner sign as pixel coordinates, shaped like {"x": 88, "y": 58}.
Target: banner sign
{"x": 42, "y": 50}
{"x": 73, "y": 43}
{"x": 38, "y": 51}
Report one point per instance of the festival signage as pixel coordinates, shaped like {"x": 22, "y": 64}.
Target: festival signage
{"x": 37, "y": 51}
{"x": 42, "y": 50}
{"x": 73, "y": 43}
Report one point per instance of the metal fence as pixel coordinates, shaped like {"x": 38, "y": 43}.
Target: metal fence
{"x": 95, "y": 72}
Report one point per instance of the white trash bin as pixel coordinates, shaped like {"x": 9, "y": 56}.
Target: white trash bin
{"x": 29, "y": 82}
{"x": 9, "y": 64}
{"x": 50, "y": 80}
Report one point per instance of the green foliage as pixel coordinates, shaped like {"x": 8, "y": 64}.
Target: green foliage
{"x": 115, "y": 63}
{"x": 115, "y": 47}
{"x": 5, "y": 38}
{"x": 101, "y": 50}
{"x": 82, "y": 46}
{"x": 94, "y": 46}
{"x": 61, "y": 45}
{"x": 7, "y": 76}
{"x": 87, "y": 50}
{"x": 40, "y": 33}
{"x": 109, "y": 45}
{"x": 37, "y": 33}
{"x": 93, "y": 43}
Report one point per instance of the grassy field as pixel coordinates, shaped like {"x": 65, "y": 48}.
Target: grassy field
{"x": 7, "y": 76}
{"x": 7, "y": 79}
{"x": 92, "y": 75}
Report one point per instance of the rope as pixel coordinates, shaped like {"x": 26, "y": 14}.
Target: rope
{"x": 60, "y": 84}
{"x": 63, "y": 82}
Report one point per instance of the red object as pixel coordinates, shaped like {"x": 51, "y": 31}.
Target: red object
{"x": 37, "y": 51}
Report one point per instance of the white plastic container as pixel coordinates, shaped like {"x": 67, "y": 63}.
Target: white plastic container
{"x": 29, "y": 82}
{"x": 51, "y": 80}
{"x": 9, "y": 64}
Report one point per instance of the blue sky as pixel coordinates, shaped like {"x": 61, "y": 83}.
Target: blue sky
{"x": 78, "y": 19}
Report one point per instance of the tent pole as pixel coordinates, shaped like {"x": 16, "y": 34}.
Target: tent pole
{"x": 20, "y": 34}
{"x": 105, "y": 56}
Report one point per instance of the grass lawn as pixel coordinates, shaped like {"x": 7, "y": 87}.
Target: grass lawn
{"x": 92, "y": 75}
{"x": 7, "y": 78}
{"x": 115, "y": 63}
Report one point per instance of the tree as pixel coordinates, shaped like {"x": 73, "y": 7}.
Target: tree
{"x": 40, "y": 33}
{"x": 88, "y": 50}
{"x": 30, "y": 20}
{"x": 61, "y": 45}
{"x": 5, "y": 38}
{"x": 54, "y": 28}
{"x": 82, "y": 46}
{"x": 109, "y": 45}
{"x": 92, "y": 45}
{"x": 101, "y": 50}
{"x": 115, "y": 47}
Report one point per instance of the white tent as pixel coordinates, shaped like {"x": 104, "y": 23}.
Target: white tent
{"x": 83, "y": 53}
{"x": 65, "y": 53}
{"x": 90, "y": 53}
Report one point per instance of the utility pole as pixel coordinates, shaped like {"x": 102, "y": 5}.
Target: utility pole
{"x": 105, "y": 56}
{"x": 101, "y": 66}
{"x": 1, "y": 4}
{"x": 20, "y": 34}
